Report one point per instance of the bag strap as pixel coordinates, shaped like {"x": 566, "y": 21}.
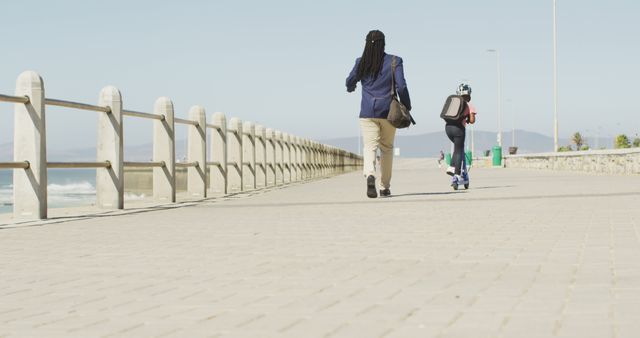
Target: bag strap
{"x": 393, "y": 76}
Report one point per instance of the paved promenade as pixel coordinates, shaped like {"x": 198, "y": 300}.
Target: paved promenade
{"x": 521, "y": 254}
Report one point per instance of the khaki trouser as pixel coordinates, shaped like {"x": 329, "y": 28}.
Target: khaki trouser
{"x": 378, "y": 134}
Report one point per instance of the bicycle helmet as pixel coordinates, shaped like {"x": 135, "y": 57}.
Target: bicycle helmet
{"x": 463, "y": 89}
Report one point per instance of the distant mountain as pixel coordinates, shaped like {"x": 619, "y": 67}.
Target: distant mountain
{"x": 143, "y": 152}
{"x": 430, "y": 144}
{"x": 424, "y": 145}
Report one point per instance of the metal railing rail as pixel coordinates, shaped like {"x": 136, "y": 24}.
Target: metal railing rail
{"x": 14, "y": 99}
{"x": 235, "y": 165}
{"x": 78, "y": 165}
{"x": 158, "y": 164}
{"x": 213, "y": 126}
{"x": 185, "y": 121}
{"x": 251, "y": 168}
{"x": 235, "y": 133}
{"x": 76, "y": 105}
{"x": 134, "y": 113}
{"x": 216, "y": 128}
{"x": 187, "y": 164}
{"x": 14, "y": 165}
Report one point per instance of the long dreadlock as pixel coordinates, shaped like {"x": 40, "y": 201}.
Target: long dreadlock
{"x": 372, "y": 56}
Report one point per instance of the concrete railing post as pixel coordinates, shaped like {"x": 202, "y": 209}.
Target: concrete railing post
{"x": 286, "y": 158}
{"x": 249, "y": 155}
{"x": 164, "y": 150}
{"x": 197, "y": 152}
{"x": 261, "y": 157}
{"x": 312, "y": 159}
{"x": 332, "y": 160}
{"x": 30, "y": 144}
{"x": 323, "y": 159}
{"x": 295, "y": 170}
{"x": 328, "y": 160}
{"x": 344, "y": 161}
{"x": 318, "y": 158}
{"x": 218, "y": 177}
{"x": 279, "y": 158}
{"x": 270, "y": 143}
{"x": 110, "y": 147}
{"x": 234, "y": 156}
{"x": 301, "y": 170}
{"x": 304, "y": 160}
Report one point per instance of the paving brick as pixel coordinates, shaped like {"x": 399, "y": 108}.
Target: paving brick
{"x": 520, "y": 254}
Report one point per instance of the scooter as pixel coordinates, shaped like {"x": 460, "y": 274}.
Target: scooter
{"x": 464, "y": 173}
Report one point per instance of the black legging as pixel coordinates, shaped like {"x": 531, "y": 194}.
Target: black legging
{"x": 456, "y": 134}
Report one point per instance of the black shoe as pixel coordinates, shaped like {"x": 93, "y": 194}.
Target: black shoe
{"x": 385, "y": 192}
{"x": 371, "y": 187}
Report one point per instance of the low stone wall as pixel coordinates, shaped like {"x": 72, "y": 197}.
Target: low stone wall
{"x": 140, "y": 180}
{"x": 482, "y": 162}
{"x": 618, "y": 161}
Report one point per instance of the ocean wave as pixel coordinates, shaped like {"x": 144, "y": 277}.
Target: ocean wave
{"x": 76, "y": 188}
{"x": 67, "y": 194}
{"x": 6, "y": 196}
{"x": 58, "y": 194}
{"x": 74, "y": 193}
{"x": 130, "y": 196}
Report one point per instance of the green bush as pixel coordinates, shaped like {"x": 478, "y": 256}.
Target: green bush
{"x": 565, "y": 148}
{"x": 621, "y": 141}
{"x": 636, "y": 142}
{"x": 585, "y": 147}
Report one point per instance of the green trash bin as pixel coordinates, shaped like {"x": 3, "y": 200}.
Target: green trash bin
{"x": 497, "y": 156}
{"x": 447, "y": 159}
{"x": 467, "y": 156}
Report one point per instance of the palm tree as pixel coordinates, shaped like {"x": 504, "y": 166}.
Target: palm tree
{"x": 577, "y": 140}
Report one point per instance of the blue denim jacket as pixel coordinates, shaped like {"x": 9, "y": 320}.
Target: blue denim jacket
{"x": 376, "y": 94}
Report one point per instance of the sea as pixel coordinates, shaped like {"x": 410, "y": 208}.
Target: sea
{"x": 66, "y": 188}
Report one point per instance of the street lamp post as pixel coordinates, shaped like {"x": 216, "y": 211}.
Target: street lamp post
{"x": 499, "y": 95}
{"x": 555, "y": 80}
{"x": 513, "y": 122}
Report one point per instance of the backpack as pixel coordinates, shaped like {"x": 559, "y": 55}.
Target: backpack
{"x": 453, "y": 110}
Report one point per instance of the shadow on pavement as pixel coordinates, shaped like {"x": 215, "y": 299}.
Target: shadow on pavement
{"x": 494, "y": 187}
{"x": 426, "y": 193}
{"x": 375, "y": 201}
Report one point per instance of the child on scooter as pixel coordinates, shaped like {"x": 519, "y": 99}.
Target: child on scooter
{"x": 456, "y": 131}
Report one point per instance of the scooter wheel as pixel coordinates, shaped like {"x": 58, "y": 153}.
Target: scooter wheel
{"x": 455, "y": 186}
{"x": 466, "y": 186}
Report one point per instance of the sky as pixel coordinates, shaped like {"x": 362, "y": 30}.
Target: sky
{"x": 283, "y": 64}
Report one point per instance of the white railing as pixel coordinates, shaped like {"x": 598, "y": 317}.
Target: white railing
{"x": 243, "y": 156}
